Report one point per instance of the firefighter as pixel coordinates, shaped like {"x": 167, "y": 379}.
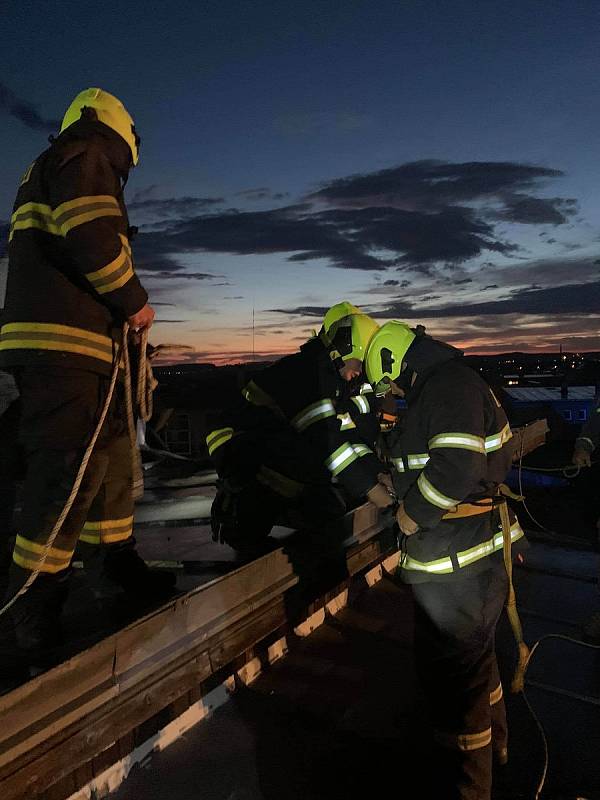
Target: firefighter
{"x": 449, "y": 460}
{"x": 585, "y": 444}
{"x": 71, "y": 285}
{"x": 303, "y": 421}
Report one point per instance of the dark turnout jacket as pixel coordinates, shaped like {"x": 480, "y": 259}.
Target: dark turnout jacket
{"x": 71, "y": 281}
{"x": 304, "y": 391}
{"x": 454, "y": 450}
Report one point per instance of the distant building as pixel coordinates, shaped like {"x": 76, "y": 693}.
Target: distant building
{"x": 571, "y": 404}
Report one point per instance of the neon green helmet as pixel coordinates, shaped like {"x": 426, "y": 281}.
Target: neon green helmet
{"x": 110, "y": 111}
{"x": 347, "y": 331}
{"x": 386, "y": 353}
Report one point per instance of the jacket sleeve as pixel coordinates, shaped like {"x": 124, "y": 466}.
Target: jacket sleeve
{"x": 589, "y": 437}
{"x": 90, "y": 219}
{"x": 456, "y": 465}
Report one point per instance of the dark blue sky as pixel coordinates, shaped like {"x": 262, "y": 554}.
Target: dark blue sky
{"x": 307, "y": 121}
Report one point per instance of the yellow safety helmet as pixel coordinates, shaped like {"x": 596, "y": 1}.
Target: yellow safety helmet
{"x": 347, "y": 331}
{"x": 386, "y": 353}
{"x": 110, "y": 111}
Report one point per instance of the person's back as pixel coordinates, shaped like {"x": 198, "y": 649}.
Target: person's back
{"x": 71, "y": 287}
{"x": 293, "y": 434}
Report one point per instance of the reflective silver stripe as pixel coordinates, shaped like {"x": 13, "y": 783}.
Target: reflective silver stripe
{"x": 413, "y": 460}
{"x": 462, "y": 441}
{"x": 496, "y": 695}
{"x": 366, "y": 388}
{"x": 340, "y": 459}
{"x": 361, "y": 403}
{"x": 361, "y": 449}
{"x": 498, "y": 440}
{"x": 432, "y": 495}
{"x": 346, "y": 422}
{"x": 464, "y": 741}
{"x": 417, "y": 460}
{"x": 313, "y": 413}
{"x": 442, "y": 566}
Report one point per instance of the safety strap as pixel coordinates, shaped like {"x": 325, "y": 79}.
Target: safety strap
{"x": 518, "y": 681}
{"x": 470, "y": 509}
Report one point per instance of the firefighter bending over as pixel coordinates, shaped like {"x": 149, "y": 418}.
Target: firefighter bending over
{"x": 71, "y": 285}
{"x": 449, "y": 461}
{"x": 304, "y": 420}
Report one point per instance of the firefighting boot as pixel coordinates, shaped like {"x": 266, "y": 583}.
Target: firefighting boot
{"x": 36, "y": 617}
{"x": 144, "y": 588}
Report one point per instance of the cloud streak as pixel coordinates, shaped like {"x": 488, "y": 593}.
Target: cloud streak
{"x": 25, "y": 111}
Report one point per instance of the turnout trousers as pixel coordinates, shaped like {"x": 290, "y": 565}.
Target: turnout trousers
{"x": 59, "y": 412}
{"x": 455, "y": 625}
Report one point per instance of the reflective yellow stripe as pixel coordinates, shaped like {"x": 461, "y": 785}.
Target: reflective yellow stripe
{"x": 361, "y": 403}
{"x": 104, "y": 524}
{"x": 432, "y": 495}
{"x": 346, "y": 422}
{"x": 461, "y": 441}
{"x": 76, "y": 212}
{"x": 417, "y": 460}
{"x": 36, "y": 547}
{"x": 62, "y": 338}
{"x": 33, "y": 215}
{"x": 464, "y": 741}
{"x": 361, "y": 450}
{"x": 28, "y": 555}
{"x": 496, "y": 695}
{"x": 216, "y": 438}
{"x": 257, "y": 396}
{"x": 444, "y": 566}
{"x": 107, "y": 530}
{"x": 366, "y": 388}
{"x": 286, "y": 487}
{"x": 497, "y": 440}
{"x": 398, "y": 464}
{"x": 313, "y": 413}
{"x": 113, "y": 275}
{"x": 340, "y": 459}
{"x": 63, "y": 218}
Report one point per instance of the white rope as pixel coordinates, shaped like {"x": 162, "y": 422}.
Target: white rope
{"x": 144, "y": 386}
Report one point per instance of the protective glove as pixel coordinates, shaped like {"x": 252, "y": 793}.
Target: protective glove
{"x": 407, "y": 525}
{"x": 582, "y": 457}
{"x": 380, "y": 496}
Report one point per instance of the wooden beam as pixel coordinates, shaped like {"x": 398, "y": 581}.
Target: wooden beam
{"x": 57, "y": 725}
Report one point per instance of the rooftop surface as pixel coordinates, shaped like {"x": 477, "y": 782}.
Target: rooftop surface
{"x": 547, "y": 394}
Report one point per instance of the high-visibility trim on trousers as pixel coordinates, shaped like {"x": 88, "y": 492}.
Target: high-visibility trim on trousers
{"x": 464, "y": 741}
{"x": 444, "y": 566}
{"x": 341, "y": 458}
{"x": 496, "y": 695}
{"x": 28, "y": 555}
{"x": 107, "y": 531}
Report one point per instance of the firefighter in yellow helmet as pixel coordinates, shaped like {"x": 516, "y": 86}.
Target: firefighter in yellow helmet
{"x": 71, "y": 286}
{"x": 449, "y": 459}
{"x": 303, "y": 421}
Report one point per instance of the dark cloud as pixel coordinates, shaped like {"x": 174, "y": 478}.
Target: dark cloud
{"x": 391, "y": 283}
{"x": 25, "y": 112}
{"x": 177, "y": 275}
{"x": 491, "y": 286}
{"x": 419, "y": 215}
{"x": 580, "y": 298}
{"x": 171, "y": 206}
{"x": 302, "y": 311}
{"x": 463, "y": 280}
{"x": 426, "y": 185}
{"x": 537, "y": 210}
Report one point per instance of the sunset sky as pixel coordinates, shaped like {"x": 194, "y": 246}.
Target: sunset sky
{"x": 437, "y": 162}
